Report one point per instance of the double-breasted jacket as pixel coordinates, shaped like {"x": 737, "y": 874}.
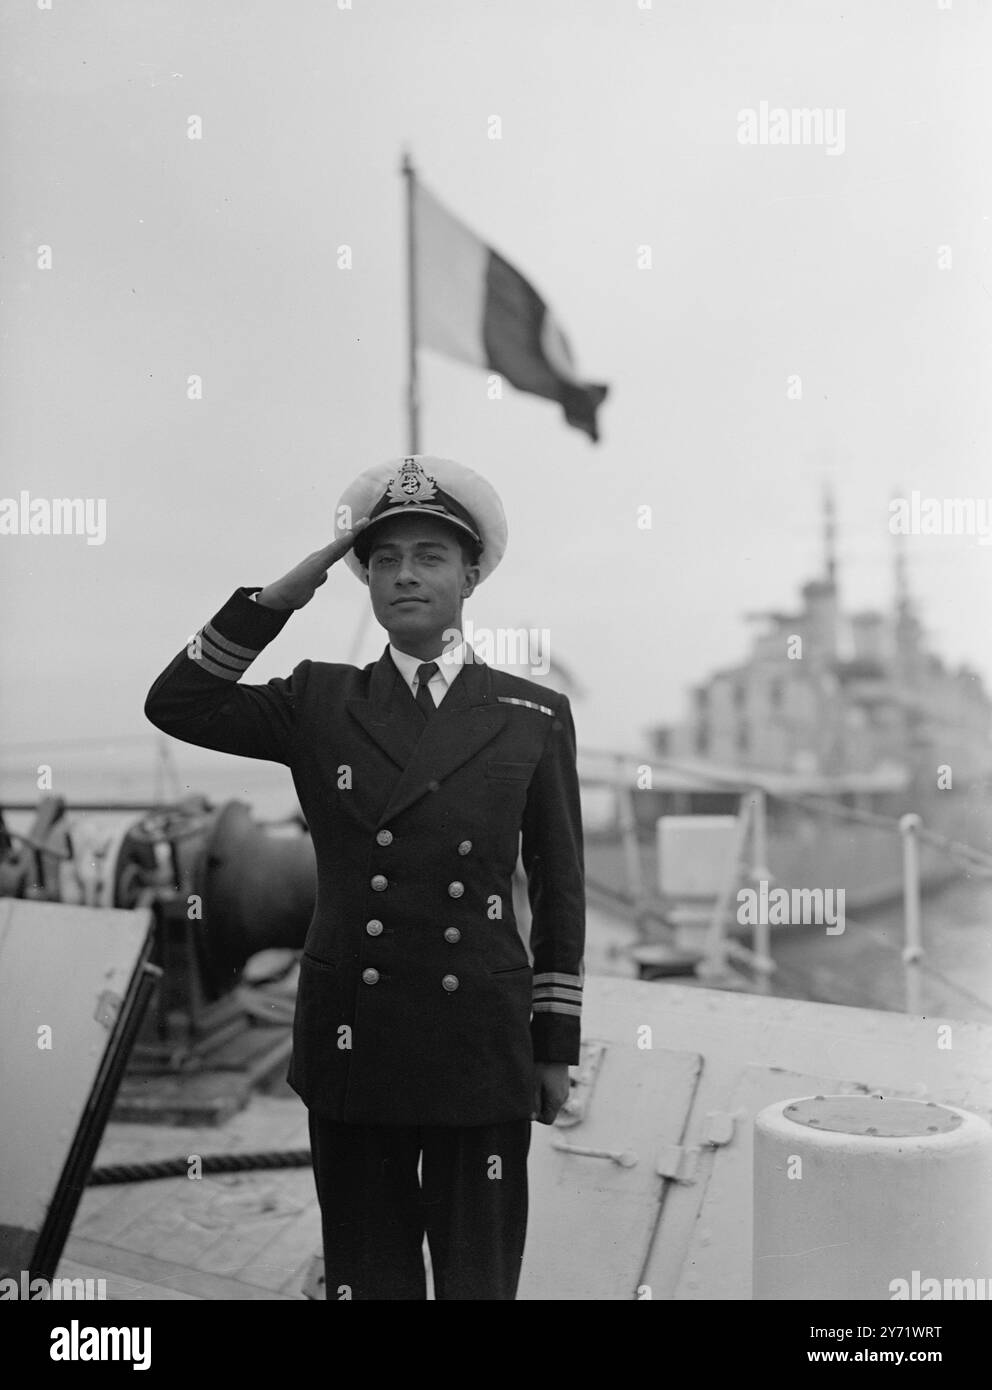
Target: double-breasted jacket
{"x": 418, "y": 1001}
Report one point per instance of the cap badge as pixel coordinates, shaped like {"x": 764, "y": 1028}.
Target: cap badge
{"x": 412, "y": 484}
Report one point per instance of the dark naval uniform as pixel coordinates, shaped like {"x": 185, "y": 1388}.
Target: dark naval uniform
{"x": 419, "y": 1014}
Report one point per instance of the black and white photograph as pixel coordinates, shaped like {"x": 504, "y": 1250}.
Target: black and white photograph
{"x": 496, "y": 678}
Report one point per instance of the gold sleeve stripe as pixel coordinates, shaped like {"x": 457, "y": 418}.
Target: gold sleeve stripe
{"x": 202, "y": 646}
{"x": 226, "y": 645}
{"x": 552, "y": 1006}
{"x": 215, "y": 670}
{"x": 557, "y": 977}
{"x": 206, "y": 653}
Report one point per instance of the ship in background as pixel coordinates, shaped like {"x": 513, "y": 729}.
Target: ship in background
{"x": 847, "y": 721}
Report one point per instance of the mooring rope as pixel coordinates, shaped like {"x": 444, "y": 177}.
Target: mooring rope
{"x": 207, "y": 1163}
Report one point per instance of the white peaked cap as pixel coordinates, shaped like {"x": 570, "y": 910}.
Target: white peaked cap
{"x": 423, "y": 485}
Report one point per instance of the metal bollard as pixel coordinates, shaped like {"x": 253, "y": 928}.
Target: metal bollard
{"x": 866, "y": 1197}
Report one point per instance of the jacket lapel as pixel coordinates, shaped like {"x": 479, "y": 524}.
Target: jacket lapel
{"x": 428, "y": 751}
{"x": 390, "y": 715}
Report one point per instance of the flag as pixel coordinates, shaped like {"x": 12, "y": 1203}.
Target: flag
{"x": 473, "y": 305}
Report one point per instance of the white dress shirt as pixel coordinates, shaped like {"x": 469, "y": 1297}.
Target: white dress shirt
{"x": 449, "y": 663}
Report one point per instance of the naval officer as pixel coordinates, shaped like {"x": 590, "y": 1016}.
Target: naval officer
{"x": 427, "y": 1036}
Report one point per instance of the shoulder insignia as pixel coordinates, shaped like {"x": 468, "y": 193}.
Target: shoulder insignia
{"x": 527, "y": 704}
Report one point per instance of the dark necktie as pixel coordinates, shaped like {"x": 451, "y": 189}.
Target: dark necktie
{"x": 424, "y": 697}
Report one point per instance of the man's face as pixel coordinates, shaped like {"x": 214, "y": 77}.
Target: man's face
{"x": 418, "y": 581}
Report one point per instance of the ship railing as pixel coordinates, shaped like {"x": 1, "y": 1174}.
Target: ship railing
{"x": 745, "y": 864}
{"x": 623, "y": 772}
{"x": 619, "y": 771}
{"x": 971, "y": 858}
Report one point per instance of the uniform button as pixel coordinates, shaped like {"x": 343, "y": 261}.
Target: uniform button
{"x": 452, "y": 934}
{"x": 370, "y": 976}
{"x": 374, "y": 928}
{"x": 465, "y": 847}
{"x": 456, "y": 889}
{"x": 450, "y": 982}
{"x": 384, "y": 837}
{"x": 380, "y": 882}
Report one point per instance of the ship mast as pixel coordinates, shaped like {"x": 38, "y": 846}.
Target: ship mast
{"x": 907, "y": 627}
{"x": 907, "y": 634}
{"x": 829, "y": 536}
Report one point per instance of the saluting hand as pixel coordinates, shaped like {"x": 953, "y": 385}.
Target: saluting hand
{"x": 550, "y": 1090}
{"x": 297, "y": 588}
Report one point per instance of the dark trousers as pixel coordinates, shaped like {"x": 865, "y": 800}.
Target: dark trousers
{"x": 470, "y": 1199}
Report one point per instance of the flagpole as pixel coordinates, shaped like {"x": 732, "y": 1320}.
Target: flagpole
{"x": 413, "y": 391}
{"x": 413, "y": 384}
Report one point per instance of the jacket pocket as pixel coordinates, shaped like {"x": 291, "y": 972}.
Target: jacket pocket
{"x": 319, "y": 964}
{"x": 511, "y": 969}
{"x": 510, "y": 772}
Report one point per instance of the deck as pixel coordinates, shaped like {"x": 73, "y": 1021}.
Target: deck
{"x": 225, "y": 1236}
{"x": 678, "y": 1221}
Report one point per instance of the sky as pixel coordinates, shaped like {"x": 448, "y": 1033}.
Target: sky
{"x": 861, "y": 271}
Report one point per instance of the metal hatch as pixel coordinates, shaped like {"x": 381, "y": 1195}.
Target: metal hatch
{"x": 596, "y": 1183}
{"x": 718, "y": 1262}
